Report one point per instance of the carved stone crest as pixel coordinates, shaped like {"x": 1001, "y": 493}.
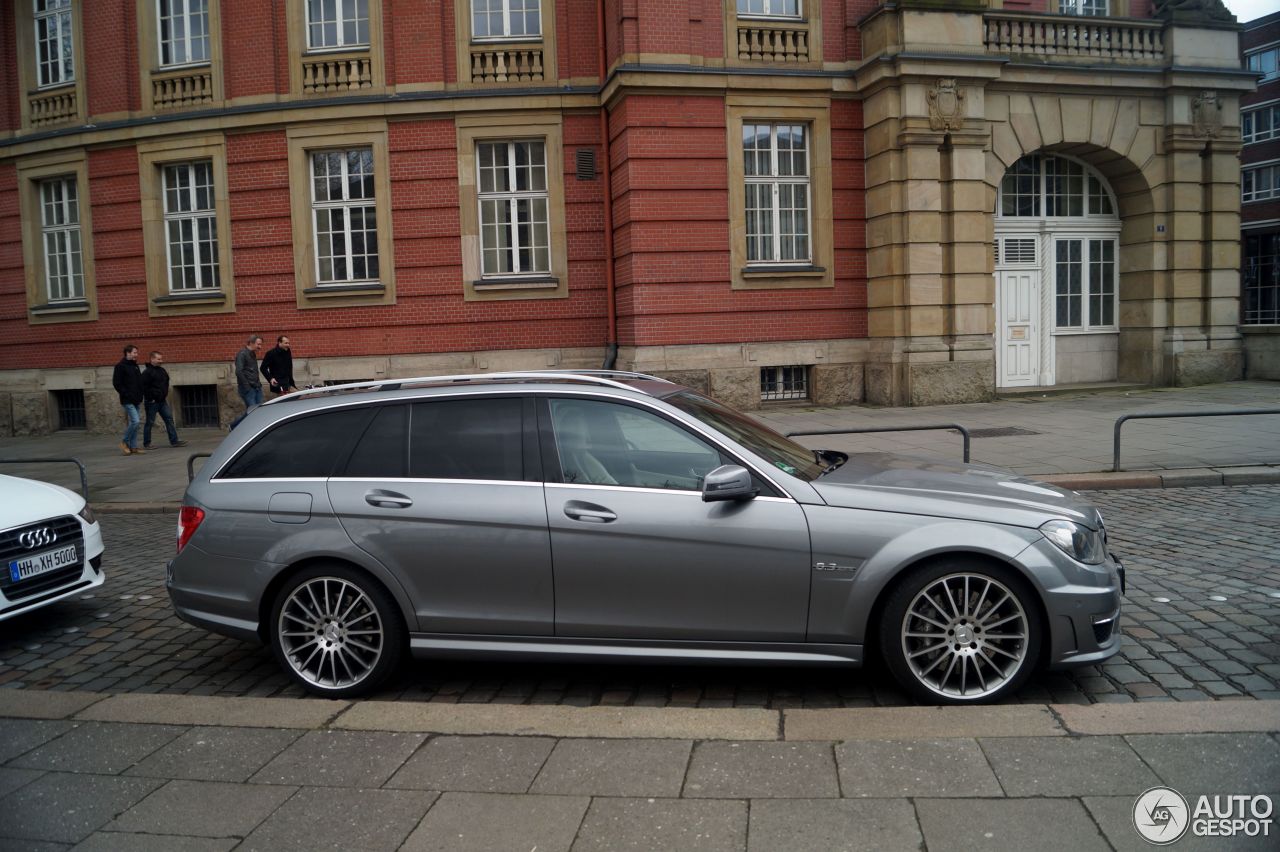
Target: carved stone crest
{"x": 1206, "y": 114}
{"x": 946, "y": 105}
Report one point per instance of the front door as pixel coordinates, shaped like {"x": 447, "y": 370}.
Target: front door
{"x": 1018, "y": 320}
{"x": 637, "y": 554}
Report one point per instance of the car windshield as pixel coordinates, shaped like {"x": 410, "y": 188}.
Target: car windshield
{"x": 782, "y": 452}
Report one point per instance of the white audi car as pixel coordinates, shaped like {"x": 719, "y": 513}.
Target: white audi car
{"x": 50, "y": 545}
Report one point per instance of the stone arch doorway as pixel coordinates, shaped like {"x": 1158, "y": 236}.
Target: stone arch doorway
{"x": 1057, "y": 274}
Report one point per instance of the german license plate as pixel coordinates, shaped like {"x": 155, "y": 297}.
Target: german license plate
{"x": 40, "y": 563}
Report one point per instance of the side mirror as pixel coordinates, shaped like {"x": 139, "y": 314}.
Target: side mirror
{"x": 728, "y": 482}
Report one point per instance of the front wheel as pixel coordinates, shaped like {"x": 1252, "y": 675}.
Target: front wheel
{"x": 961, "y": 632}
{"x": 336, "y": 631}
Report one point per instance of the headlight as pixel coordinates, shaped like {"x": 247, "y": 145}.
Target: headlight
{"x": 88, "y": 515}
{"x": 1078, "y": 542}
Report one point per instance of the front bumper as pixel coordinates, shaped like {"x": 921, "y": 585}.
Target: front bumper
{"x": 1082, "y": 603}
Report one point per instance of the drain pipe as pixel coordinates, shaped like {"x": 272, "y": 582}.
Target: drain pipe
{"x": 606, "y": 175}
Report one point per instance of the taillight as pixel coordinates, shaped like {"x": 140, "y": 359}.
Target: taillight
{"x": 189, "y": 518}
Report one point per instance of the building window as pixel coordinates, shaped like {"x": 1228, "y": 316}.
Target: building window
{"x": 1260, "y": 125}
{"x": 191, "y": 227}
{"x": 1259, "y": 184}
{"x": 515, "y": 235}
{"x": 345, "y": 215}
{"x": 198, "y": 404}
{"x": 60, "y": 232}
{"x": 1085, "y": 283}
{"x": 515, "y": 19}
{"x": 184, "y": 32}
{"x": 769, "y": 8}
{"x": 1265, "y": 62}
{"x": 776, "y": 169}
{"x": 70, "y": 405}
{"x": 337, "y": 24}
{"x": 784, "y": 383}
{"x": 55, "y": 52}
{"x": 1061, "y": 188}
{"x": 1262, "y": 280}
{"x": 1093, "y": 8}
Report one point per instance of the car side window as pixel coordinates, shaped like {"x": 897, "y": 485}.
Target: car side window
{"x": 383, "y": 450}
{"x": 467, "y": 439}
{"x": 307, "y": 446}
{"x": 605, "y": 443}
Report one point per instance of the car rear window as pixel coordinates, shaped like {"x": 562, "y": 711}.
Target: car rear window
{"x": 467, "y": 439}
{"x": 307, "y": 446}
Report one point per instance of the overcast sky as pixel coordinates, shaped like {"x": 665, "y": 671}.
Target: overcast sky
{"x": 1247, "y": 10}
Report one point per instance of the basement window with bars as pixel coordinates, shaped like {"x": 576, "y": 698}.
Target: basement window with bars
{"x": 784, "y": 383}
{"x": 70, "y": 405}
{"x": 199, "y": 405}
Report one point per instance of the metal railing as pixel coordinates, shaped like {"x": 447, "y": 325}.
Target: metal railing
{"x": 191, "y": 461}
{"x": 1120, "y": 421}
{"x": 84, "y": 477}
{"x": 939, "y": 427}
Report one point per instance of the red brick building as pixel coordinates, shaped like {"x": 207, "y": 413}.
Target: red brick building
{"x": 767, "y": 198}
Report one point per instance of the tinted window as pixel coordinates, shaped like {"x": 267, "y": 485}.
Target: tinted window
{"x": 467, "y": 439}
{"x": 384, "y": 448}
{"x": 303, "y": 446}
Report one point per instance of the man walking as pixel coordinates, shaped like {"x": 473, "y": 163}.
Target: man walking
{"x": 247, "y": 383}
{"x": 155, "y": 393}
{"x": 128, "y": 384}
{"x": 277, "y": 366}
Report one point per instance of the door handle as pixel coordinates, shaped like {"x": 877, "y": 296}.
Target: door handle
{"x": 387, "y": 500}
{"x": 589, "y": 512}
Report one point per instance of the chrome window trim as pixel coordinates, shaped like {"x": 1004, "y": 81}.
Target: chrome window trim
{"x": 418, "y": 480}
{"x": 639, "y": 490}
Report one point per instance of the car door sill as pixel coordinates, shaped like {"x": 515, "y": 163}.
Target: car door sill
{"x": 552, "y": 648}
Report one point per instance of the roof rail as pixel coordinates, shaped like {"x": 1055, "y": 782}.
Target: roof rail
{"x": 598, "y": 377}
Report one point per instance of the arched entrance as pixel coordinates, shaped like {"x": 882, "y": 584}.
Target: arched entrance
{"x": 1056, "y": 274}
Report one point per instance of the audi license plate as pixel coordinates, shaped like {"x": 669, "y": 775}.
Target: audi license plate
{"x": 40, "y": 563}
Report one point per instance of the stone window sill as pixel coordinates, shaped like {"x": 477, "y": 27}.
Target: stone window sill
{"x": 800, "y": 270}
{"x": 212, "y": 297}
{"x": 77, "y": 306}
{"x": 373, "y": 288}
{"x": 487, "y": 284}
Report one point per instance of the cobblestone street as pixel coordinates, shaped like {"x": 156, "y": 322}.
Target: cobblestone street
{"x": 1202, "y": 621}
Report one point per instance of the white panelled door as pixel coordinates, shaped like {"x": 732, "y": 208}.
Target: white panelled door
{"x": 1018, "y": 317}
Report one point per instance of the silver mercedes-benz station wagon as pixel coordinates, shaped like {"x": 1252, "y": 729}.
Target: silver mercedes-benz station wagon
{"x": 602, "y": 514}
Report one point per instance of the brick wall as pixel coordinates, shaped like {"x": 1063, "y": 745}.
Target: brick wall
{"x": 113, "y": 85}
{"x": 254, "y": 48}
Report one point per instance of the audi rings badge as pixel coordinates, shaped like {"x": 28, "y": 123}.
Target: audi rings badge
{"x": 43, "y": 537}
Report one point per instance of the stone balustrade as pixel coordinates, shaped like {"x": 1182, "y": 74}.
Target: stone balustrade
{"x": 1067, "y": 36}
{"x": 336, "y": 73}
{"x": 189, "y": 87}
{"x": 508, "y": 64}
{"x": 773, "y": 44}
{"x": 52, "y": 107}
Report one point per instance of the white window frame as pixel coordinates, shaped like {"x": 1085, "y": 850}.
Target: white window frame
{"x": 510, "y": 197}
{"x": 1042, "y": 194}
{"x": 183, "y": 10}
{"x": 64, "y": 263}
{"x": 1272, "y": 168}
{"x": 1258, "y": 55}
{"x": 1087, "y": 262}
{"x": 1251, "y": 130}
{"x": 192, "y": 217}
{"x": 768, "y": 13}
{"x": 59, "y": 14}
{"x": 506, "y": 25}
{"x": 346, "y": 203}
{"x": 775, "y": 181}
{"x": 342, "y": 7}
{"x": 1085, "y": 8}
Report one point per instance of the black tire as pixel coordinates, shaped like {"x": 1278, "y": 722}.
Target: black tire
{"x": 974, "y": 658}
{"x": 348, "y": 632}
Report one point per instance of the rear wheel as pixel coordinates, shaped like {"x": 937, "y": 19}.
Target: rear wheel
{"x": 961, "y": 632}
{"x": 336, "y": 631}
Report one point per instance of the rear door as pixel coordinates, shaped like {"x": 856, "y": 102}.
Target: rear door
{"x": 447, "y": 494}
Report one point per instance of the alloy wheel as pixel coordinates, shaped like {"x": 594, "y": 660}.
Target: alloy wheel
{"x": 331, "y": 633}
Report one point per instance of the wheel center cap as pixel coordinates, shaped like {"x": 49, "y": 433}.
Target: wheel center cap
{"x": 331, "y": 632}
{"x": 964, "y": 634}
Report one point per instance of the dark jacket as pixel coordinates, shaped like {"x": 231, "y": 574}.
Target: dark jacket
{"x": 278, "y": 364}
{"x": 127, "y": 380}
{"x": 155, "y": 383}
{"x": 247, "y": 369}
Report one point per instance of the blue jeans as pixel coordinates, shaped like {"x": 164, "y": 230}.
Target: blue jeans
{"x": 252, "y": 399}
{"x": 130, "y": 438}
{"x": 166, "y": 414}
